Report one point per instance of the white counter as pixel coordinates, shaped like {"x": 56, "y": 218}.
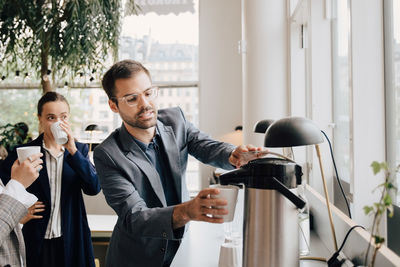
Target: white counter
{"x": 201, "y": 245}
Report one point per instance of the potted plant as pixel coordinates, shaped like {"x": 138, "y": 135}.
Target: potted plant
{"x": 379, "y": 209}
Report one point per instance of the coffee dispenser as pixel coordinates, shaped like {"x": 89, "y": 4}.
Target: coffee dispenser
{"x": 270, "y": 227}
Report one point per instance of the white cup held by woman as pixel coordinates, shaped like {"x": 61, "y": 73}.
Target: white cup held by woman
{"x": 59, "y": 134}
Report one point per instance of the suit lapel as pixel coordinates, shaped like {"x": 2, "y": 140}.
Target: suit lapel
{"x": 172, "y": 151}
{"x": 43, "y": 176}
{"x": 137, "y": 156}
{"x": 66, "y": 168}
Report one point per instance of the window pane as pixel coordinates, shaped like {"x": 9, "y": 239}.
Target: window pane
{"x": 342, "y": 89}
{"x": 396, "y": 81}
{"x": 172, "y": 58}
{"x": 21, "y": 106}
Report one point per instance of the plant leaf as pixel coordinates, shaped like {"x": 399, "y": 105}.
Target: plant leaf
{"x": 387, "y": 200}
{"x": 379, "y": 239}
{"x": 376, "y": 167}
{"x": 368, "y": 209}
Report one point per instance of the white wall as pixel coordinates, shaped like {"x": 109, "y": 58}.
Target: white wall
{"x": 220, "y": 76}
{"x": 265, "y": 64}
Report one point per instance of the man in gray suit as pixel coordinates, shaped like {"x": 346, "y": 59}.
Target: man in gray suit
{"x": 14, "y": 204}
{"x": 141, "y": 167}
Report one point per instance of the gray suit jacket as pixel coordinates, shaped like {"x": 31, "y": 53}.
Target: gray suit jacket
{"x": 12, "y": 245}
{"x": 133, "y": 188}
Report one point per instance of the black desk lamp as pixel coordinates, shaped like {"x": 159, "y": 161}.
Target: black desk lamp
{"x": 298, "y": 131}
{"x": 262, "y": 126}
{"x": 91, "y": 128}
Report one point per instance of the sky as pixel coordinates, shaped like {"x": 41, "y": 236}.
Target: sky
{"x": 182, "y": 28}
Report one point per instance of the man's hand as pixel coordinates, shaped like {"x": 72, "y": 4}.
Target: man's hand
{"x": 37, "y": 207}
{"x": 28, "y": 171}
{"x": 201, "y": 208}
{"x": 243, "y": 154}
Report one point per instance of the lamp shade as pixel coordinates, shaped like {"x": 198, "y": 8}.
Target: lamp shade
{"x": 262, "y": 126}
{"x": 292, "y": 131}
{"x": 92, "y": 128}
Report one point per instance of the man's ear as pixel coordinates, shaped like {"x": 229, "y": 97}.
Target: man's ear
{"x": 113, "y": 106}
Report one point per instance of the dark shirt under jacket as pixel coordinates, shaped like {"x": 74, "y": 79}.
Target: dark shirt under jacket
{"x": 156, "y": 154}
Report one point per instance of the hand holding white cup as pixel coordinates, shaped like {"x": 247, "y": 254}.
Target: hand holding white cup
{"x": 229, "y": 193}
{"x": 27, "y": 151}
{"x": 59, "y": 134}
{"x": 26, "y": 171}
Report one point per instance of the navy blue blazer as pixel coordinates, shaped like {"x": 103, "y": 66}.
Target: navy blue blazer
{"x": 78, "y": 175}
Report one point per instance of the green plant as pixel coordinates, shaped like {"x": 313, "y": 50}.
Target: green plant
{"x": 11, "y": 136}
{"x": 64, "y": 37}
{"x": 378, "y": 209}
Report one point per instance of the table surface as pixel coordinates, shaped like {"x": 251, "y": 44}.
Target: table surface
{"x": 200, "y": 239}
{"x": 101, "y": 225}
{"x": 205, "y": 239}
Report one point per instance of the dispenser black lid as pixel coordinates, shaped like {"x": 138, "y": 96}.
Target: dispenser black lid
{"x": 258, "y": 173}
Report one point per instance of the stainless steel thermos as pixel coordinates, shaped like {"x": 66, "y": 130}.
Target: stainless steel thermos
{"x": 270, "y": 227}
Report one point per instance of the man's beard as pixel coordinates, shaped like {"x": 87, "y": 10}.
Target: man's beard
{"x": 137, "y": 123}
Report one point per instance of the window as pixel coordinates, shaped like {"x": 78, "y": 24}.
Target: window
{"x": 21, "y": 107}
{"x": 103, "y": 114}
{"x": 22, "y": 104}
{"x": 342, "y": 117}
{"x": 103, "y": 100}
{"x": 164, "y": 53}
{"x": 392, "y": 84}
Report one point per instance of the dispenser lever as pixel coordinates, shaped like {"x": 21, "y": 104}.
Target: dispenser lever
{"x": 296, "y": 200}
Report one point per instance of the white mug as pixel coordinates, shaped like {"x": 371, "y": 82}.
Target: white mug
{"x": 27, "y": 151}
{"x": 229, "y": 193}
{"x": 59, "y": 134}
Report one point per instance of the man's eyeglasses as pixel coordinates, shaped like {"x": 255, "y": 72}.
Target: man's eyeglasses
{"x": 133, "y": 99}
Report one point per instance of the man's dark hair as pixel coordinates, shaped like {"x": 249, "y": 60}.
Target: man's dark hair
{"x": 121, "y": 70}
{"x": 50, "y": 97}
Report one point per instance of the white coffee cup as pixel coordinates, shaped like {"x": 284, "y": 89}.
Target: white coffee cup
{"x": 27, "y": 151}
{"x": 229, "y": 193}
{"x": 59, "y": 134}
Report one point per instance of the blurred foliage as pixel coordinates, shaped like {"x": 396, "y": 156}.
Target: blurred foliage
{"x": 68, "y": 37}
{"x": 11, "y": 135}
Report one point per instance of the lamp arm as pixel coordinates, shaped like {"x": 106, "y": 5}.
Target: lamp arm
{"x": 282, "y": 156}
{"x": 326, "y": 197}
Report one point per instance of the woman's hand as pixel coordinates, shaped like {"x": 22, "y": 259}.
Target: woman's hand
{"x": 32, "y": 210}
{"x": 70, "y": 145}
